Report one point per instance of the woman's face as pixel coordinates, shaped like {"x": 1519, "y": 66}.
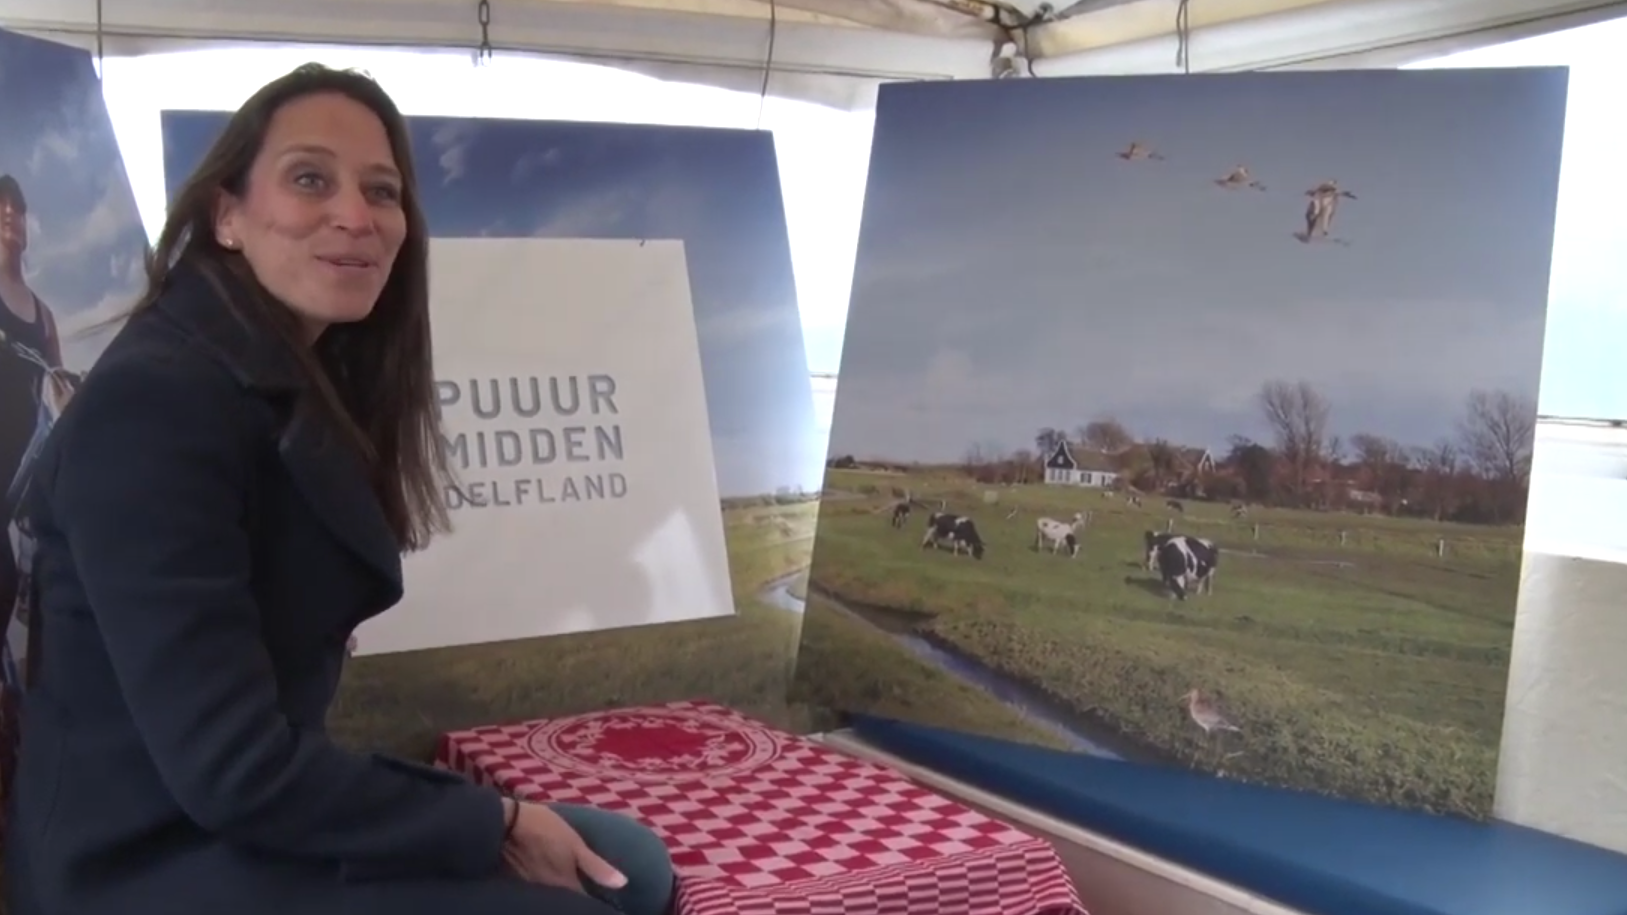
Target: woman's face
{"x": 320, "y": 220}
{"x": 13, "y": 229}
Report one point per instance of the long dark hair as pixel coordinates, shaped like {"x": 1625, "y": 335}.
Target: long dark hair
{"x": 373, "y": 378}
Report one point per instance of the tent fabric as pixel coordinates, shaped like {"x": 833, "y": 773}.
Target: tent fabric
{"x": 831, "y": 51}
{"x": 1336, "y": 33}
{"x": 1318, "y": 854}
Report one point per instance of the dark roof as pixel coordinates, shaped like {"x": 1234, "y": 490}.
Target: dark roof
{"x": 1062, "y": 457}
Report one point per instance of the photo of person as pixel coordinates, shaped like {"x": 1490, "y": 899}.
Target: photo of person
{"x": 72, "y": 257}
{"x": 33, "y": 386}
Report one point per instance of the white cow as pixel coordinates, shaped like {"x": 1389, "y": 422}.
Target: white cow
{"x": 1059, "y": 535}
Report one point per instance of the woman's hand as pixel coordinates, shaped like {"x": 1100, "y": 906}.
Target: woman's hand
{"x": 542, "y": 848}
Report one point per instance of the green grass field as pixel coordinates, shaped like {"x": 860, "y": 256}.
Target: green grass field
{"x": 1374, "y": 670}
{"x": 404, "y": 702}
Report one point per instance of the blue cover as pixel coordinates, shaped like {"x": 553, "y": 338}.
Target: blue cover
{"x": 1322, "y": 855}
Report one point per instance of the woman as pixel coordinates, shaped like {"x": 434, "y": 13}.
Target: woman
{"x": 29, "y": 350}
{"x": 30, "y": 365}
{"x": 226, "y": 499}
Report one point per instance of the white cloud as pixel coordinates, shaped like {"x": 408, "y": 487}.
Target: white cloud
{"x": 53, "y": 149}
{"x": 976, "y": 384}
{"x": 453, "y": 142}
{"x": 744, "y": 324}
{"x": 107, "y": 223}
{"x": 61, "y": 143}
{"x": 591, "y": 214}
{"x": 765, "y": 460}
{"x": 533, "y": 162}
{"x": 85, "y": 333}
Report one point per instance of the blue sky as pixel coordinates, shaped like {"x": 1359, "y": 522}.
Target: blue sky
{"x": 1014, "y": 273}
{"x": 86, "y": 240}
{"x": 717, "y": 190}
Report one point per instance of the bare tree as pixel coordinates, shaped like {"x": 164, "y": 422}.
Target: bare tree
{"x": 1106, "y": 434}
{"x": 1499, "y": 431}
{"x": 1439, "y": 466}
{"x": 1386, "y": 464}
{"x": 1048, "y": 438}
{"x": 1298, "y": 415}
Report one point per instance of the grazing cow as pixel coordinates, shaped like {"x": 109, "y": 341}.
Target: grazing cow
{"x": 1135, "y": 500}
{"x": 1187, "y": 564}
{"x": 957, "y": 531}
{"x": 901, "y": 513}
{"x": 1059, "y": 535}
{"x": 1175, "y": 506}
{"x": 1152, "y": 541}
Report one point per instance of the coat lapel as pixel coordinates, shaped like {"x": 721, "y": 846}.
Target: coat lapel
{"x": 326, "y": 470}
{"x": 334, "y": 482}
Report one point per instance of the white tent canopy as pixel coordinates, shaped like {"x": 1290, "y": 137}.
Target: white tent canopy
{"x": 835, "y": 51}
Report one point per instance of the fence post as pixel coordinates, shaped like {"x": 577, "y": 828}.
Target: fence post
{"x": 1440, "y": 548}
{"x": 1256, "y": 532}
{"x": 1169, "y": 525}
{"x": 1341, "y": 538}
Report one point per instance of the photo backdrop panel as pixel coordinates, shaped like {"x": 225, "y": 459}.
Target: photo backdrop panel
{"x": 71, "y": 248}
{"x": 660, "y": 216}
{"x": 1216, "y": 452}
{"x": 569, "y": 379}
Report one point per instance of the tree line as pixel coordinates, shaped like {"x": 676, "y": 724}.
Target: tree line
{"x": 1480, "y": 473}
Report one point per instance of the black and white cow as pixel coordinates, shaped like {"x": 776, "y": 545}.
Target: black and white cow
{"x": 1151, "y": 542}
{"x": 901, "y": 514}
{"x": 956, "y": 531}
{"x": 1187, "y": 564}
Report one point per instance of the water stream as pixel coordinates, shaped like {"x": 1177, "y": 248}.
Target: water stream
{"x": 1020, "y": 698}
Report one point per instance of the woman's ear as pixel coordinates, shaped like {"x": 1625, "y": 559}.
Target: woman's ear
{"x": 226, "y": 218}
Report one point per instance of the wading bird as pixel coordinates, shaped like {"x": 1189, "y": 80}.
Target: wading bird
{"x": 1138, "y": 150}
{"x": 1239, "y": 178}
{"x": 1206, "y": 713}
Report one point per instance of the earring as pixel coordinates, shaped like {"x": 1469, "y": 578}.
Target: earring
{"x": 230, "y": 244}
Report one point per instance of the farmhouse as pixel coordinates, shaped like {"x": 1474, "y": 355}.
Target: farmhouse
{"x": 1089, "y": 468}
{"x": 1194, "y": 463}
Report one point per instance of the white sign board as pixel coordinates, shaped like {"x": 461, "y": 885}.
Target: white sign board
{"x": 569, "y": 377}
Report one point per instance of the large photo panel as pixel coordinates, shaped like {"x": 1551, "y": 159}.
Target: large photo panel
{"x": 72, "y": 254}
{"x": 629, "y": 414}
{"x": 1188, "y": 420}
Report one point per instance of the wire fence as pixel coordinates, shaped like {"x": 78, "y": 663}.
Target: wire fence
{"x": 1392, "y": 538}
{"x": 1268, "y": 529}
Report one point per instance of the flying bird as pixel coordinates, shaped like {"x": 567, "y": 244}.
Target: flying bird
{"x": 1239, "y": 177}
{"x": 1138, "y": 150}
{"x": 1319, "y": 213}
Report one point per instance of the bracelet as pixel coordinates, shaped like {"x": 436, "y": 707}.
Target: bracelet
{"x": 512, "y": 820}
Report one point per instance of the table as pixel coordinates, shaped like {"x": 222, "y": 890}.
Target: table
{"x": 761, "y": 822}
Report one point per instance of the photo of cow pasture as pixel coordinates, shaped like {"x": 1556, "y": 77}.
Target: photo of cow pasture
{"x": 1166, "y": 481}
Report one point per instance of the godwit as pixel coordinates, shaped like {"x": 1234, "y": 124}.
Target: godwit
{"x": 1320, "y": 211}
{"x": 1138, "y": 150}
{"x": 1239, "y": 177}
{"x": 1206, "y": 713}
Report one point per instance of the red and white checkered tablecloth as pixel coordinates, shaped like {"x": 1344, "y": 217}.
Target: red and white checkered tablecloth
{"x": 760, "y": 822}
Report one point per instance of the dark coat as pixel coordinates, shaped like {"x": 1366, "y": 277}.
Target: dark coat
{"x": 204, "y": 550}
